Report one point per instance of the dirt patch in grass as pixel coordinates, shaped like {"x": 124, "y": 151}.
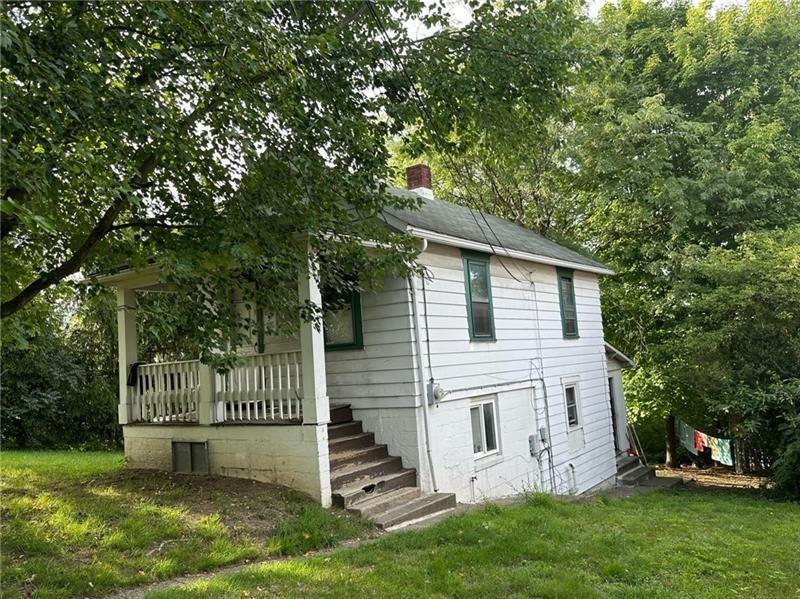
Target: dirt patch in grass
{"x": 244, "y": 506}
{"x": 80, "y": 524}
{"x": 713, "y": 478}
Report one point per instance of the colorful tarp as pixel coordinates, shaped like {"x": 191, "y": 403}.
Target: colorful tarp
{"x": 696, "y": 441}
{"x": 724, "y": 453}
{"x": 686, "y": 435}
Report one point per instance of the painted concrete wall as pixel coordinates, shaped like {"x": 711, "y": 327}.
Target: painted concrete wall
{"x": 292, "y": 456}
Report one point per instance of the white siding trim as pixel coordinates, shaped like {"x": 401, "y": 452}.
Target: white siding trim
{"x": 492, "y": 249}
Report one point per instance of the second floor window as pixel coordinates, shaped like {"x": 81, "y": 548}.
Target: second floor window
{"x": 566, "y": 297}
{"x": 479, "y": 296}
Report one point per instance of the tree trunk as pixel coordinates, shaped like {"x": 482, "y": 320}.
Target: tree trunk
{"x": 672, "y": 442}
{"x": 736, "y": 443}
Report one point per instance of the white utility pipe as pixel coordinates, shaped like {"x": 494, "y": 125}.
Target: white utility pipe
{"x": 421, "y": 367}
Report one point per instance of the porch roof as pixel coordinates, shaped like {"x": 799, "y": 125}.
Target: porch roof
{"x": 498, "y": 235}
{"x": 613, "y": 353}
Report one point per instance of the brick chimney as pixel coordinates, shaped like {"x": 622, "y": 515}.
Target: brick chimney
{"x": 418, "y": 178}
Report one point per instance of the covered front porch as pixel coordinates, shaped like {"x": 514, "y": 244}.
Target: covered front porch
{"x": 266, "y": 418}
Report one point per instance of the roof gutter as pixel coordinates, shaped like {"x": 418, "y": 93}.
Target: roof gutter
{"x": 459, "y": 242}
{"x": 126, "y": 277}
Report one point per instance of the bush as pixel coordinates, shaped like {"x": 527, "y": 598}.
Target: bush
{"x": 51, "y": 400}
{"x": 59, "y": 380}
{"x": 786, "y": 473}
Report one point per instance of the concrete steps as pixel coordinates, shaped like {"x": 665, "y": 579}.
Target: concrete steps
{"x": 631, "y": 471}
{"x": 367, "y": 481}
{"x": 369, "y": 508}
{"x": 371, "y": 486}
{"x": 358, "y": 455}
{"x": 426, "y": 505}
{"x": 353, "y": 471}
{"x": 358, "y": 441}
{"x": 341, "y": 413}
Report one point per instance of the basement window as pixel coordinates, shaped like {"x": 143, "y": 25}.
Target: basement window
{"x": 483, "y": 417}
{"x": 190, "y": 457}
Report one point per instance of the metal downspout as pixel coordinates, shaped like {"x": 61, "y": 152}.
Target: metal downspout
{"x": 421, "y": 368}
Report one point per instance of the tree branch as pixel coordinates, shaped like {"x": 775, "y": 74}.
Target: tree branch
{"x": 148, "y": 224}
{"x": 106, "y": 222}
{"x": 74, "y": 262}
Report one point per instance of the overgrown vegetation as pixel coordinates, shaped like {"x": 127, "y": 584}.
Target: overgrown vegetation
{"x": 79, "y": 524}
{"x": 665, "y": 544}
{"x": 687, "y": 133}
{"x": 58, "y": 377}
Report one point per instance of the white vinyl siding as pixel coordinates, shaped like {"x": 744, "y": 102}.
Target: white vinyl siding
{"x": 383, "y": 373}
{"x": 529, "y": 344}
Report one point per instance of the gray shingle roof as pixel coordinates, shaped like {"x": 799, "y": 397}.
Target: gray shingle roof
{"x": 461, "y": 222}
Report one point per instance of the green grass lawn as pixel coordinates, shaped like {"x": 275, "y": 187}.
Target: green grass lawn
{"x": 79, "y": 524}
{"x": 666, "y": 544}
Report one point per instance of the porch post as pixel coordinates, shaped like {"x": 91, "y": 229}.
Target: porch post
{"x": 316, "y": 405}
{"x": 316, "y": 409}
{"x": 207, "y": 401}
{"x": 126, "y": 347}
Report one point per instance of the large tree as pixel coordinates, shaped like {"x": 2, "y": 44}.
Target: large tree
{"x": 686, "y": 139}
{"x": 494, "y": 110}
{"x": 213, "y": 136}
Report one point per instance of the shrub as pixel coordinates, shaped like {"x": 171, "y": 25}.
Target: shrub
{"x": 786, "y": 473}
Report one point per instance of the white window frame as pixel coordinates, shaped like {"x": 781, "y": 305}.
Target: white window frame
{"x": 479, "y": 403}
{"x": 574, "y": 383}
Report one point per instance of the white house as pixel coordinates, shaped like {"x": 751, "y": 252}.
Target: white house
{"x": 486, "y": 377}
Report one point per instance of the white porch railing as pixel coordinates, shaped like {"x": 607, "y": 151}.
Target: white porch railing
{"x": 167, "y": 392}
{"x": 264, "y": 387}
